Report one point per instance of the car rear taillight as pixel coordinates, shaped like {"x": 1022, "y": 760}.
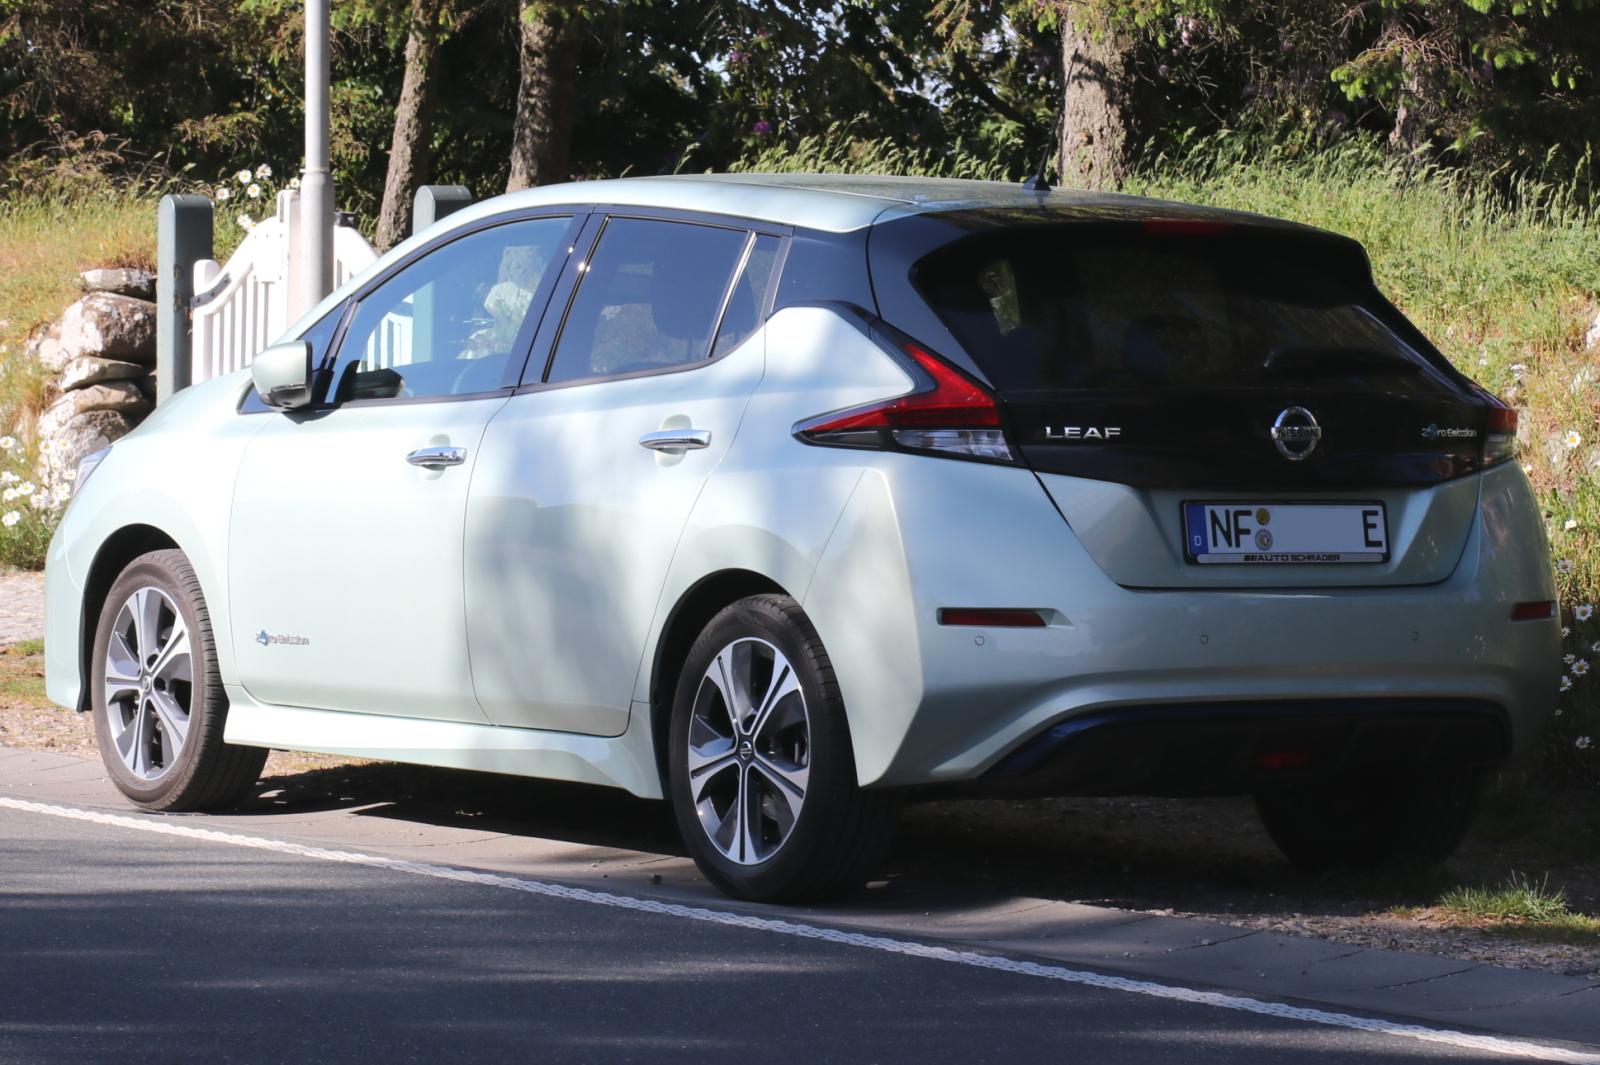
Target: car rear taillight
{"x": 1500, "y": 438}
{"x": 945, "y": 413}
{"x": 1540, "y": 610}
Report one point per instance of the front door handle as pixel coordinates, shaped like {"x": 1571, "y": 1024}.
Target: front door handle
{"x": 437, "y": 458}
{"x": 676, "y": 439}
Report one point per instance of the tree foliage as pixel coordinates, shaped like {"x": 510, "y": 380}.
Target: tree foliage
{"x": 663, "y": 85}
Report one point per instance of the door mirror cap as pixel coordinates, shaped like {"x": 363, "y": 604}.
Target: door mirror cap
{"x": 283, "y": 375}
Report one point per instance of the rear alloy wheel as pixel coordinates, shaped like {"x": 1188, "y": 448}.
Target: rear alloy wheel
{"x": 762, "y": 772}
{"x": 1417, "y": 819}
{"x": 158, "y": 701}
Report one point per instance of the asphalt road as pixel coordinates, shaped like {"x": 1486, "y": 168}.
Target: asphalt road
{"x": 120, "y": 945}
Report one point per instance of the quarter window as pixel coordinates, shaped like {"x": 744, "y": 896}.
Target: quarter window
{"x": 651, "y": 297}
{"x": 448, "y": 324}
{"x": 749, "y": 297}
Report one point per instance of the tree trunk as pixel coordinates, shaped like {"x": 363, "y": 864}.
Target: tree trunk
{"x": 541, "y": 138}
{"x": 1097, "y": 123}
{"x": 1410, "y": 132}
{"x": 411, "y": 150}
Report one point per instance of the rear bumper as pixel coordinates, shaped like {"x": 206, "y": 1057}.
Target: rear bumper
{"x": 1229, "y": 748}
{"x": 929, "y": 703}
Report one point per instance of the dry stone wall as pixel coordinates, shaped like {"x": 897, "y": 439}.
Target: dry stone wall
{"x": 102, "y": 351}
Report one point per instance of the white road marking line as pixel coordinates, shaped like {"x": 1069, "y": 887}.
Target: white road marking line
{"x": 1515, "y": 1048}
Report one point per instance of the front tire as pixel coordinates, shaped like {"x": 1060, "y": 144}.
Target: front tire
{"x": 1416, "y": 820}
{"x": 158, "y": 702}
{"x": 761, "y": 770}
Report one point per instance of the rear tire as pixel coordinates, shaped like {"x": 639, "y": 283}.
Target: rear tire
{"x": 157, "y": 698}
{"x": 771, "y": 810}
{"x": 1366, "y": 823}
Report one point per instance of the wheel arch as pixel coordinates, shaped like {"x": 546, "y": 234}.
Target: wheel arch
{"x": 113, "y": 556}
{"x": 701, "y": 602}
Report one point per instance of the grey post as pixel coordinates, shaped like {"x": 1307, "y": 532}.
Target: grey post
{"x": 434, "y": 202}
{"x": 316, "y": 185}
{"x": 183, "y": 238}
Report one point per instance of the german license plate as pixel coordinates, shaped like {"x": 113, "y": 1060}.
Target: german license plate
{"x": 1285, "y": 533}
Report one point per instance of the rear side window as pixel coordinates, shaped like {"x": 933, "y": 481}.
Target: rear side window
{"x": 651, "y": 297}
{"x": 1050, "y": 308}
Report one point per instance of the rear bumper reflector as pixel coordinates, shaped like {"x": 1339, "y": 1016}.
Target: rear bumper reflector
{"x": 988, "y": 618}
{"x": 1539, "y": 611}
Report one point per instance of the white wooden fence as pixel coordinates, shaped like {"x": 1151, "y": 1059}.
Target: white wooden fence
{"x": 240, "y": 308}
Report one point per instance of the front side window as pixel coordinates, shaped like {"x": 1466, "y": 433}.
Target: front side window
{"x": 449, "y": 323}
{"x": 651, "y": 297}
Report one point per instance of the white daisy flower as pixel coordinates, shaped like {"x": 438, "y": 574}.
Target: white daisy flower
{"x": 1558, "y": 711}
{"x": 1565, "y": 632}
{"x": 1572, "y": 439}
{"x": 1527, "y": 467}
{"x": 1566, "y": 684}
{"x": 1564, "y": 565}
{"x": 25, "y": 488}
{"x": 1583, "y": 743}
{"x": 11, "y": 518}
{"x": 69, "y": 474}
{"x": 263, "y": 172}
{"x": 1584, "y": 612}
{"x": 7, "y": 477}
{"x": 1595, "y": 647}
{"x": 1570, "y": 524}
{"x": 246, "y": 223}
{"x": 294, "y": 183}
{"x": 1518, "y": 368}
{"x": 7, "y": 443}
{"x": 1579, "y": 668}
{"x": 254, "y": 191}
{"x": 243, "y": 177}
{"x": 1569, "y": 659}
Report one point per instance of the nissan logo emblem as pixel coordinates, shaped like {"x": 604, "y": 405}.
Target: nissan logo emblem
{"x": 1296, "y": 433}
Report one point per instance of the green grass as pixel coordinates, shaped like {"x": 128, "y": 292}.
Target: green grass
{"x": 1520, "y": 907}
{"x": 22, "y": 674}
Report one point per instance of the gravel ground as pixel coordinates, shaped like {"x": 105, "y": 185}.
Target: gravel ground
{"x": 1197, "y": 857}
{"x": 21, "y": 606}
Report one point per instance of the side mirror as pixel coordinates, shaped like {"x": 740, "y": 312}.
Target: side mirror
{"x": 283, "y": 375}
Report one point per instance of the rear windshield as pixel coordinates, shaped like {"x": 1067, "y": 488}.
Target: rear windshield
{"x": 1051, "y": 308}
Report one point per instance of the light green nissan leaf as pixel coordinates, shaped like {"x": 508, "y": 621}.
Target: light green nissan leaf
{"x": 777, "y": 497}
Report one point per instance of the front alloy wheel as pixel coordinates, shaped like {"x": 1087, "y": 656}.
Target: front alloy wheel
{"x": 761, "y": 770}
{"x": 159, "y": 706}
{"x": 149, "y": 683}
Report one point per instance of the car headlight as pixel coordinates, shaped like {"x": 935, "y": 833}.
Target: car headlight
{"x": 86, "y": 466}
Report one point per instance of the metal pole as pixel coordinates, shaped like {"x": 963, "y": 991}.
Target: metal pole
{"x": 316, "y": 186}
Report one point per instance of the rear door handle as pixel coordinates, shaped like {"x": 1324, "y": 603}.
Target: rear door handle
{"x": 437, "y": 458}
{"x": 676, "y": 439}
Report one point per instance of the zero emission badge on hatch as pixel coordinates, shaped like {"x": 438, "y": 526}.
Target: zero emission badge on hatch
{"x": 268, "y": 639}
